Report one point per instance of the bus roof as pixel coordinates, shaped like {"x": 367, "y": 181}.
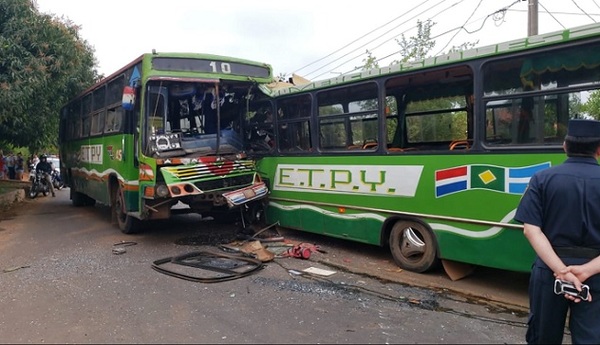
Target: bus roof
{"x": 522, "y": 44}
{"x": 175, "y": 55}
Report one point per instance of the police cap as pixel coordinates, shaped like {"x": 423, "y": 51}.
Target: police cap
{"x": 584, "y": 128}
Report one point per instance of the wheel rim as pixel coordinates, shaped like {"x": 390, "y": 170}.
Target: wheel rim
{"x": 411, "y": 245}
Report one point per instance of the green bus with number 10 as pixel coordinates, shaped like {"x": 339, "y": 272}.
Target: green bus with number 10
{"x": 164, "y": 130}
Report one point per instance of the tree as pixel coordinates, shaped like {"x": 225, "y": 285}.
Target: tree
{"x": 44, "y": 63}
{"x": 592, "y": 106}
{"x": 417, "y": 47}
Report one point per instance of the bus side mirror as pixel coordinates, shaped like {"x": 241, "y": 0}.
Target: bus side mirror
{"x": 128, "y": 101}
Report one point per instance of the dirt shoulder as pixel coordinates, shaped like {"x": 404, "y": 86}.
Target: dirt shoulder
{"x": 11, "y": 193}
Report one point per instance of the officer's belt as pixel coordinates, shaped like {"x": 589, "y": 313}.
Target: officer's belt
{"x": 577, "y": 252}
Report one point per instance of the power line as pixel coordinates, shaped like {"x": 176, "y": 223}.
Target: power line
{"x": 463, "y": 26}
{"x": 430, "y": 18}
{"x": 373, "y": 48}
{"x": 581, "y": 9}
{"x": 497, "y": 16}
{"x": 404, "y": 22}
{"x": 551, "y": 15}
{"x": 363, "y": 36}
{"x": 501, "y": 12}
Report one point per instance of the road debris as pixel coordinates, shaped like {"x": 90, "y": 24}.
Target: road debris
{"x": 12, "y": 269}
{"x": 256, "y": 248}
{"x": 319, "y": 271}
{"x": 302, "y": 251}
{"x": 119, "y": 248}
{"x": 208, "y": 266}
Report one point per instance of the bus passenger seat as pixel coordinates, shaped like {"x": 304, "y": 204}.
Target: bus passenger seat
{"x": 395, "y": 149}
{"x": 460, "y": 145}
{"x": 371, "y": 145}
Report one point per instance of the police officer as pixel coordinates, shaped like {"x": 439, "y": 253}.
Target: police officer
{"x": 560, "y": 211}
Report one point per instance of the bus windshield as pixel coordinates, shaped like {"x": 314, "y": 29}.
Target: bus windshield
{"x": 186, "y": 118}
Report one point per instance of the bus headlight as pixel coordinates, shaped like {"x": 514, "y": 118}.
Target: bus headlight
{"x": 162, "y": 190}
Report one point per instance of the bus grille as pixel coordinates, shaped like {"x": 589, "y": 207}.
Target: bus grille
{"x": 234, "y": 182}
{"x": 203, "y": 171}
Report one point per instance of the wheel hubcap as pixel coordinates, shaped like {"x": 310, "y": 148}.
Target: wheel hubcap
{"x": 411, "y": 243}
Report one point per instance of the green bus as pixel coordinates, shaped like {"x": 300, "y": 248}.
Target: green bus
{"x": 163, "y": 135}
{"x": 429, "y": 158}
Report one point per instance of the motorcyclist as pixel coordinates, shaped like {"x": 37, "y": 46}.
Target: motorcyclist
{"x": 47, "y": 168}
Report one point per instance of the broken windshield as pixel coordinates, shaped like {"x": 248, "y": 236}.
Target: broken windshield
{"x": 184, "y": 118}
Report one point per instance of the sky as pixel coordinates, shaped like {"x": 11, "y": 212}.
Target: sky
{"x": 315, "y": 39}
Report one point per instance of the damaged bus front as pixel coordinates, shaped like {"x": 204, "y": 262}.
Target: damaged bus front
{"x": 176, "y": 143}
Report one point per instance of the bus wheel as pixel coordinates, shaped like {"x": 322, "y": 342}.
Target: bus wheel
{"x": 413, "y": 246}
{"x": 127, "y": 223}
{"x": 254, "y": 213}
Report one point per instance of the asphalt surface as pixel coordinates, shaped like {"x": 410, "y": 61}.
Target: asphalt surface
{"x": 61, "y": 282}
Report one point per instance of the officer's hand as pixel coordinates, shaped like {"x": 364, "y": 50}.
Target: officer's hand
{"x": 581, "y": 272}
{"x": 576, "y": 274}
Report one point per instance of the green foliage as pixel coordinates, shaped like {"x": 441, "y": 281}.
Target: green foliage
{"x": 44, "y": 63}
{"x": 592, "y": 106}
{"x": 370, "y": 61}
{"x": 417, "y": 47}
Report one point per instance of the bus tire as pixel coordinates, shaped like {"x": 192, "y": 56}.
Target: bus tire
{"x": 413, "y": 246}
{"x": 254, "y": 214}
{"x": 127, "y": 223}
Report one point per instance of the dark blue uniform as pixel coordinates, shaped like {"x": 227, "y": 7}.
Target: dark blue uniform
{"x": 572, "y": 188}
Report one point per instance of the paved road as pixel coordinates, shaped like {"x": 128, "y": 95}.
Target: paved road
{"x": 62, "y": 283}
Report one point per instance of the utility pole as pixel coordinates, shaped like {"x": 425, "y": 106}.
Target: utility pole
{"x": 532, "y": 23}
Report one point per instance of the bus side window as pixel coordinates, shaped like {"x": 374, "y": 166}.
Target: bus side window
{"x": 293, "y": 129}
{"x": 294, "y": 136}
{"x": 348, "y": 118}
{"x": 114, "y": 118}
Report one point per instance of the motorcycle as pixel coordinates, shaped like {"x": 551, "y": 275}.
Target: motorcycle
{"x": 39, "y": 184}
{"x": 57, "y": 181}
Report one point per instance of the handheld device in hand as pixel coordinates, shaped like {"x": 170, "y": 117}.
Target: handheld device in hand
{"x": 564, "y": 287}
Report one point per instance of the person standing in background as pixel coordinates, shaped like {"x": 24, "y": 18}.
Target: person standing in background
{"x": 19, "y": 166}
{"x": 10, "y": 165}
{"x": 3, "y": 169}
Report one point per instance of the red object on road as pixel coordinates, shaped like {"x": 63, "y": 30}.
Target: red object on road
{"x": 302, "y": 251}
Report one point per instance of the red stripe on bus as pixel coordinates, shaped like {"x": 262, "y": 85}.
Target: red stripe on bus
{"x": 450, "y": 173}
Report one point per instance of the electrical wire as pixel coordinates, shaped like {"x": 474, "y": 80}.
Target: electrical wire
{"x": 393, "y": 38}
{"x": 581, "y": 9}
{"x": 404, "y": 22}
{"x": 361, "y": 37}
{"x": 551, "y": 15}
{"x": 462, "y": 27}
{"x": 497, "y": 16}
{"x": 502, "y": 10}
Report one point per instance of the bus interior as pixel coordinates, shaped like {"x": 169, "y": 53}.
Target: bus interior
{"x": 196, "y": 118}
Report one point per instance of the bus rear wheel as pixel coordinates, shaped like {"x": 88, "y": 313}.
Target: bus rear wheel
{"x": 413, "y": 246}
{"x": 127, "y": 223}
